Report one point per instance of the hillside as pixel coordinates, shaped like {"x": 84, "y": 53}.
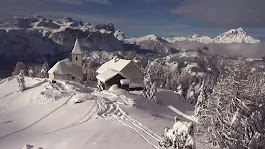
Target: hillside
{"x": 44, "y": 115}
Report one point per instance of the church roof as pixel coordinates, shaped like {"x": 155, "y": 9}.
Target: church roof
{"x": 77, "y": 48}
{"x": 66, "y": 67}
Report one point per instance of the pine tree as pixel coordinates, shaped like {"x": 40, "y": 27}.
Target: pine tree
{"x": 31, "y": 73}
{"x": 199, "y": 105}
{"x": 149, "y": 87}
{"x": 44, "y": 70}
{"x": 234, "y": 114}
{"x": 180, "y": 91}
{"x": 19, "y": 66}
{"x": 21, "y": 81}
{"x": 90, "y": 70}
{"x": 191, "y": 93}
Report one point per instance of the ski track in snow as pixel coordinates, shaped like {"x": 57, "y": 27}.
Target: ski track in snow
{"x": 113, "y": 111}
{"x": 8, "y": 95}
{"x": 27, "y": 127}
{"x": 45, "y": 116}
{"x": 191, "y": 118}
{"x": 90, "y": 113}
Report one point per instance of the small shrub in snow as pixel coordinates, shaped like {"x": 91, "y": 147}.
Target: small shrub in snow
{"x": 179, "y": 137}
{"x": 27, "y": 146}
{"x": 21, "y": 81}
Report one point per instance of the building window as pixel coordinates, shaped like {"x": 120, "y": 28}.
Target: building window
{"x": 76, "y": 58}
{"x": 73, "y": 78}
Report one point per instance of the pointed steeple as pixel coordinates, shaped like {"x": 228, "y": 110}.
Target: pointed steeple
{"x": 77, "y": 48}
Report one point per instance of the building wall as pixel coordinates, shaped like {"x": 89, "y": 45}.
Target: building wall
{"x": 77, "y": 62}
{"x": 64, "y": 77}
{"x": 115, "y": 80}
{"x": 133, "y": 73}
{"x": 51, "y": 76}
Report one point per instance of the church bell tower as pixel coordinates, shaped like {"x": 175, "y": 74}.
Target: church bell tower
{"x": 77, "y": 54}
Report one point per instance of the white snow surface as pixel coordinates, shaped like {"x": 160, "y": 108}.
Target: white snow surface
{"x": 102, "y": 120}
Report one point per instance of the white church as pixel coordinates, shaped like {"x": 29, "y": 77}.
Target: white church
{"x": 67, "y": 69}
{"x": 124, "y": 73}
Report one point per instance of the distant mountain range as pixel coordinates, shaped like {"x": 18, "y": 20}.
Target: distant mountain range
{"x": 232, "y": 36}
{"x": 38, "y": 39}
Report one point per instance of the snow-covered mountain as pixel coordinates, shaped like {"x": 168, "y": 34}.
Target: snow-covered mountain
{"x": 231, "y": 36}
{"x": 235, "y": 36}
{"x": 39, "y": 39}
{"x": 197, "y": 38}
{"x": 151, "y": 42}
{"x": 119, "y": 35}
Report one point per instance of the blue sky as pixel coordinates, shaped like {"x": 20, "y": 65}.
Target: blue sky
{"x": 162, "y": 17}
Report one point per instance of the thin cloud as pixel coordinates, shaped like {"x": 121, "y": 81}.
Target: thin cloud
{"x": 100, "y": 1}
{"x": 79, "y": 2}
{"x": 226, "y": 13}
{"x": 75, "y": 2}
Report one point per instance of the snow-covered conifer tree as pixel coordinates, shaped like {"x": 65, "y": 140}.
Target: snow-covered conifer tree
{"x": 31, "y": 73}
{"x": 21, "y": 81}
{"x": 153, "y": 91}
{"x": 234, "y": 115}
{"x": 90, "y": 70}
{"x": 44, "y": 70}
{"x": 191, "y": 93}
{"x": 19, "y": 66}
{"x": 149, "y": 87}
{"x": 199, "y": 104}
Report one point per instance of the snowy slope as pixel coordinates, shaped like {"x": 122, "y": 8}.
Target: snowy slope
{"x": 44, "y": 115}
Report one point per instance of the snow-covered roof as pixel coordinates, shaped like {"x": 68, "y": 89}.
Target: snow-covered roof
{"x": 135, "y": 85}
{"x": 107, "y": 75}
{"x": 115, "y": 64}
{"x": 77, "y": 48}
{"x": 65, "y": 67}
{"x": 125, "y": 81}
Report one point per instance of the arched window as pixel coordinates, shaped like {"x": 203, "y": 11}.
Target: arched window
{"x": 76, "y": 58}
